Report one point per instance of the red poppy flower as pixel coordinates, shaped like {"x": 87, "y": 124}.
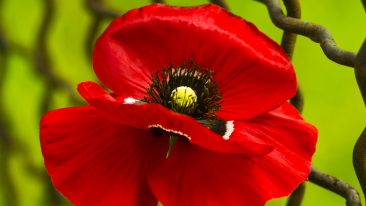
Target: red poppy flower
{"x": 201, "y": 75}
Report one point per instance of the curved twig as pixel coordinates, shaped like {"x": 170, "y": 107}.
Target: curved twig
{"x": 42, "y": 60}
{"x": 99, "y": 13}
{"x": 43, "y": 66}
{"x": 221, "y": 3}
{"x": 359, "y": 160}
{"x": 298, "y": 100}
{"x": 158, "y": 1}
{"x": 98, "y": 9}
{"x": 315, "y": 32}
{"x": 360, "y": 70}
{"x": 92, "y": 35}
{"x": 10, "y": 195}
{"x": 288, "y": 44}
{"x": 359, "y": 151}
{"x": 289, "y": 38}
{"x": 337, "y": 186}
{"x": 296, "y": 196}
{"x": 3, "y": 43}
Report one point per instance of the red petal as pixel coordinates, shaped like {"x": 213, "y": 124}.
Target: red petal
{"x": 253, "y": 73}
{"x": 94, "y": 161}
{"x": 146, "y": 116}
{"x": 287, "y": 131}
{"x": 195, "y": 176}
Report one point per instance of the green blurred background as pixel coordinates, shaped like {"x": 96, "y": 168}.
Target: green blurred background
{"x": 332, "y": 100}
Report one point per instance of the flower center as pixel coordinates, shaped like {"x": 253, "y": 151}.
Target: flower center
{"x": 183, "y": 99}
{"x": 188, "y": 89}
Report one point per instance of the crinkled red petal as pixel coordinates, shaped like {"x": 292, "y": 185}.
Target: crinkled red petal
{"x": 94, "y": 161}
{"x": 147, "y": 116}
{"x": 287, "y": 131}
{"x": 253, "y": 73}
{"x": 195, "y": 176}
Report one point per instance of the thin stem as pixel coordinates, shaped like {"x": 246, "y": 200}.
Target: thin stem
{"x": 298, "y": 100}
{"x": 91, "y": 36}
{"x": 315, "y": 32}
{"x": 359, "y": 160}
{"x": 289, "y": 38}
{"x": 43, "y": 66}
{"x": 359, "y": 150}
{"x": 98, "y": 9}
{"x": 337, "y": 186}
{"x": 288, "y": 44}
{"x": 172, "y": 140}
{"x": 9, "y": 190}
{"x": 99, "y": 13}
{"x": 158, "y": 1}
{"x": 221, "y": 3}
{"x": 43, "y": 62}
{"x": 296, "y": 196}
{"x": 360, "y": 70}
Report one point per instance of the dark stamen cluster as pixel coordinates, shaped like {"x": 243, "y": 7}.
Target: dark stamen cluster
{"x": 189, "y": 75}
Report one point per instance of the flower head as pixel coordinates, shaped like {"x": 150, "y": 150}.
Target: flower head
{"x": 202, "y": 75}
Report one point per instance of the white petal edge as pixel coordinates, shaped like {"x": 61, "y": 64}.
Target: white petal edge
{"x": 129, "y": 100}
{"x": 169, "y": 130}
{"x": 229, "y": 130}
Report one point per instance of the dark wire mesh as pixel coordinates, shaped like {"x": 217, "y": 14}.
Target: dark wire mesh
{"x": 290, "y": 23}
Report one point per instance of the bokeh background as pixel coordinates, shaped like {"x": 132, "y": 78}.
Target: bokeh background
{"x": 41, "y": 66}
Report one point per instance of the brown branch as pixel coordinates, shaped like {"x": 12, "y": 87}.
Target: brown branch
{"x": 4, "y": 134}
{"x": 360, "y": 70}
{"x": 296, "y": 196}
{"x": 42, "y": 59}
{"x": 92, "y": 35}
{"x": 158, "y": 1}
{"x": 298, "y": 100}
{"x": 337, "y": 186}
{"x": 359, "y": 160}
{"x": 221, "y": 3}
{"x": 359, "y": 150}
{"x": 10, "y": 195}
{"x": 315, "y": 32}
{"x": 3, "y": 43}
{"x": 99, "y": 12}
{"x": 43, "y": 66}
{"x": 98, "y": 9}
{"x": 9, "y": 190}
{"x": 288, "y": 44}
{"x": 43, "y": 62}
{"x": 289, "y": 38}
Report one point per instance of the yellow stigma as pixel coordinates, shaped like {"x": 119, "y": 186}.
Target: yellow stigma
{"x": 184, "y": 96}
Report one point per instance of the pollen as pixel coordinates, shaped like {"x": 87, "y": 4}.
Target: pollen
{"x": 188, "y": 89}
{"x": 183, "y": 96}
